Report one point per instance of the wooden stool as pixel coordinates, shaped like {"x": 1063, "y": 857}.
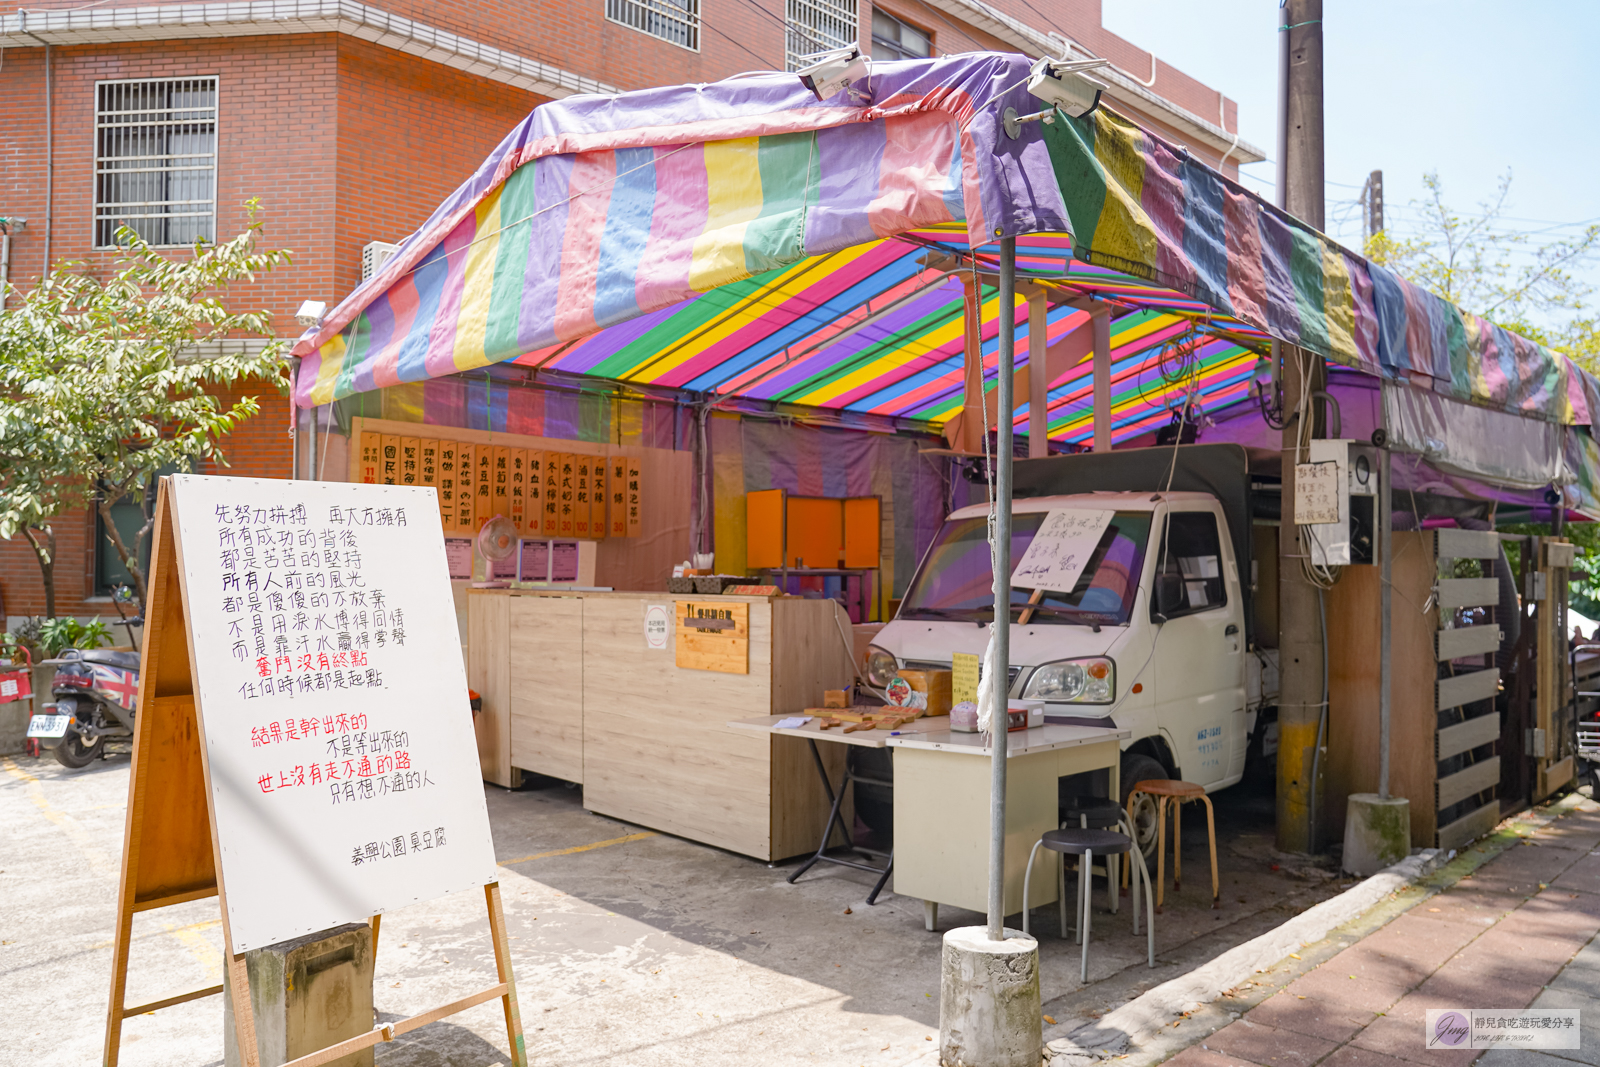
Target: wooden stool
{"x": 1172, "y": 793}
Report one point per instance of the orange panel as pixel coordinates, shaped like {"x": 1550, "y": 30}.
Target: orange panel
{"x": 862, "y": 531}
{"x": 763, "y": 516}
{"x": 814, "y": 529}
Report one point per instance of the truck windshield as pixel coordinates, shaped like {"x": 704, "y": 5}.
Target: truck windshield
{"x": 957, "y": 582}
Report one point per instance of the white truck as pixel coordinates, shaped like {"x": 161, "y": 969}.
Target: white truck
{"x": 1156, "y": 634}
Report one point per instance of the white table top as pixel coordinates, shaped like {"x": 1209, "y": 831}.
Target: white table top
{"x": 865, "y": 738}
{"x": 1021, "y": 743}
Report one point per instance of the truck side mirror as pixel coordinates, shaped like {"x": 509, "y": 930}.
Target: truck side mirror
{"x": 1169, "y": 596}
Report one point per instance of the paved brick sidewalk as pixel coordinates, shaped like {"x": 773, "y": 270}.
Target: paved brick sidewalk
{"x": 1512, "y": 934}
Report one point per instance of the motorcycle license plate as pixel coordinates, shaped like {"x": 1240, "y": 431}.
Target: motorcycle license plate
{"x": 49, "y": 725}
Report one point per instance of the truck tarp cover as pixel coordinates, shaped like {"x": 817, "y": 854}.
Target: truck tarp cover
{"x": 1221, "y": 470}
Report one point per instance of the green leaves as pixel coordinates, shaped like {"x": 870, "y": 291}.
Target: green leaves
{"x": 104, "y": 381}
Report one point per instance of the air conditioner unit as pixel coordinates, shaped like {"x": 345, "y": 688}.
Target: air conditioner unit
{"x": 374, "y": 256}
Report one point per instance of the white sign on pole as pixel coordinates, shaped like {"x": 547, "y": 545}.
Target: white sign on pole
{"x": 1060, "y": 550}
{"x": 332, "y": 698}
{"x": 1316, "y": 493}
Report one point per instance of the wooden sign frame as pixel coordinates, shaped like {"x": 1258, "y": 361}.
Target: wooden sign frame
{"x": 170, "y": 843}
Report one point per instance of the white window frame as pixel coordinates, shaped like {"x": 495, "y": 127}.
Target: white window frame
{"x": 637, "y": 15}
{"x": 149, "y": 209}
{"x": 805, "y": 33}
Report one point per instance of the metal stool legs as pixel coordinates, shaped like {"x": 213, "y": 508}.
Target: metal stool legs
{"x": 1137, "y": 871}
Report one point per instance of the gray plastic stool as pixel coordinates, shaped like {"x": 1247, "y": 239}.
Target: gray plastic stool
{"x": 1085, "y": 843}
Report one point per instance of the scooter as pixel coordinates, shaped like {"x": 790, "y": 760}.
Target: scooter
{"x": 96, "y": 696}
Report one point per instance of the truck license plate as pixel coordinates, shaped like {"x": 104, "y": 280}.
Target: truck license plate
{"x": 49, "y": 725}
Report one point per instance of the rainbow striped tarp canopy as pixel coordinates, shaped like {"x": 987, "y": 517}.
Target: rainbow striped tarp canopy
{"x": 743, "y": 239}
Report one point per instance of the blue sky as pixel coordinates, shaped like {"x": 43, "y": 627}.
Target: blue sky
{"x": 1467, "y": 88}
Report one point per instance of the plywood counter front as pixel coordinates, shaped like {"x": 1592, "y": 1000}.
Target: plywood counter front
{"x": 571, "y": 689}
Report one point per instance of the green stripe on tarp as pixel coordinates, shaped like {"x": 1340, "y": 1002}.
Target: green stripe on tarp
{"x": 789, "y": 168}
{"x": 517, "y": 201}
{"x": 1071, "y": 143}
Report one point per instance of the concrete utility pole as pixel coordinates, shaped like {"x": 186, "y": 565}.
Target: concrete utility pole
{"x": 1300, "y": 640}
{"x": 1372, "y": 206}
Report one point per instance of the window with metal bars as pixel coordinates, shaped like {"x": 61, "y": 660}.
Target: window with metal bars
{"x": 817, "y": 26}
{"x": 677, "y": 21}
{"x": 155, "y": 165}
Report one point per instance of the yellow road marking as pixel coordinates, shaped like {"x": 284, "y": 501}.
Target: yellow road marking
{"x": 203, "y": 951}
{"x": 581, "y": 848}
{"x": 97, "y": 857}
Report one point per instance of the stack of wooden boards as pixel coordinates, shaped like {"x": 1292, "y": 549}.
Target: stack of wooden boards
{"x": 836, "y": 710}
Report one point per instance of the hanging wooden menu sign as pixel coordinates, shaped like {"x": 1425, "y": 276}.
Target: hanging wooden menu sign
{"x": 428, "y": 462}
{"x": 297, "y": 752}
{"x": 568, "y": 494}
{"x": 465, "y": 467}
{"x": 483, "y": 488}
{"x": 500, "y": 483}
{"x": 550, "y": 523}
{"x": 617, "y": 493}
{"x": 517, "y": 489}
{"x": 580, "y": 495}
{"x": 389, "y": 460}
{"x": 635, "y": 523}
{"x": 713, "y": 637}
{"x": 535, "y": 512}
{"x": 410, "y": 465}
{"x": 597, "y": 497}
{"x": 449, "y": 483}
{"x": 371, "y": 448}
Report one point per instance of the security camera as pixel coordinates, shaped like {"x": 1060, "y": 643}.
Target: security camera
{"x": 311, "y": 312}
{"x": 1064, "y": 84}
{"x": 833, "y": 72}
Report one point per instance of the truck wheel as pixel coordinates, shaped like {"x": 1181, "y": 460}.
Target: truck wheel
{"x": 1138, "y": 768}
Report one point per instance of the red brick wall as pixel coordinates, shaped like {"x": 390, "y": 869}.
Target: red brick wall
{"x": 409, "y": 133}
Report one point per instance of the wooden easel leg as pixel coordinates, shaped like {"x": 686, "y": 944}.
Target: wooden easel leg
{"x": 375, "y": 922}
{"x": 119, "y": 984}
{"x": 244, "y": 1020}
{"x": 502, "y": 961}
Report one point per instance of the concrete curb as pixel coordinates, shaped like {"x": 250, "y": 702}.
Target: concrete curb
{"x": 1113, "y": 1031}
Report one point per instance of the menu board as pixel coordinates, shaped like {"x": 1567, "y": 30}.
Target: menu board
{"x": 340, "y": 748}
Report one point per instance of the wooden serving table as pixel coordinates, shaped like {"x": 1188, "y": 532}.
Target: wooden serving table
{"x": 941, "y": 810}
{"x": 572, "y": 689}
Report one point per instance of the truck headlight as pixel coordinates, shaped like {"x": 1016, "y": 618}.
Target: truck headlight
{"x": 1075, "y": 681}
{"x": 881, "y": 668}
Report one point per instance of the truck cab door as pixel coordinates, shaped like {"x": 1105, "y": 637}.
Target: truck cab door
{"x": 1199, "y": 650}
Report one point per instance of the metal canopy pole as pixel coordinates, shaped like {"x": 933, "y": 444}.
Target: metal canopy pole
{"x": 1386, "y": 589}
{"x": 1000, "y": 548}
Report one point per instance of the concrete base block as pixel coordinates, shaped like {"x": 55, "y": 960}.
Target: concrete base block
{"x": 989, "y": 1000}
{"x": 1377, "y": 833}
{"x": 307, "y": 994}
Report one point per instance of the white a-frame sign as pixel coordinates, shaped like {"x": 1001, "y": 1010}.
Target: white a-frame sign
{"x": 304, "y": 747}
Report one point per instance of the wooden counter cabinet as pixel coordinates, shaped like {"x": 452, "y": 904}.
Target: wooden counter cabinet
{"x": 571, "y": 689}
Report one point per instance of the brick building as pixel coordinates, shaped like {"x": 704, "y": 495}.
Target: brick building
{"x": 350, "y": 121}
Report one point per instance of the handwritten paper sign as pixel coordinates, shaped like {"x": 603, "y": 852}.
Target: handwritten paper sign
{"x": 963, "y": 677}
{"x": 1316, "y": 493}
{"x": 1060, "y": 550}
{"x": 336, "y": 726}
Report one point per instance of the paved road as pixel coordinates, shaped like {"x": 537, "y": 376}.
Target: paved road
{"x": 630, "y": 947}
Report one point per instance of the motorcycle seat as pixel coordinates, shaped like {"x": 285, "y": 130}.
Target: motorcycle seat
{"x": 128, "y": 661}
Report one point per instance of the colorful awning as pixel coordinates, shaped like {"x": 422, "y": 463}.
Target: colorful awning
{"x": 742, "y": 239}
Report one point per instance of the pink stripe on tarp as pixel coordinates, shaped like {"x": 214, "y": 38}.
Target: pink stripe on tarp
{"x": 402, "y": 301}
{"x": 441, "y": 357}
{"x": 933, "y": 387}
{"x": 663, "y": 276}
{"x": 1577, "y": 398}
{"x": 1161, "y": 196}
{"x": 1365, "y": 328}
{"x": 593, "y": 177}
{"x": 912, "y": 175}
{"x": 1419, "y": 338}
{"x": 1247, "y": 280}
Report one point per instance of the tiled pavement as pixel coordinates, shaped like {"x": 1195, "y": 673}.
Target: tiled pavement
{"x": 1517, "y": 932}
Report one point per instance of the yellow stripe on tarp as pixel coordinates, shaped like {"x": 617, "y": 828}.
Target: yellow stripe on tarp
{"x": 1124, "y": 228}
{"x": 899, "y": 357}
{"x": 328, "y": 371}
{"x": 790, "y": 283}
{"x": 1339, "y": 307}
{"x": 477, "y": 286}
{"x": 733, "y": 201}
